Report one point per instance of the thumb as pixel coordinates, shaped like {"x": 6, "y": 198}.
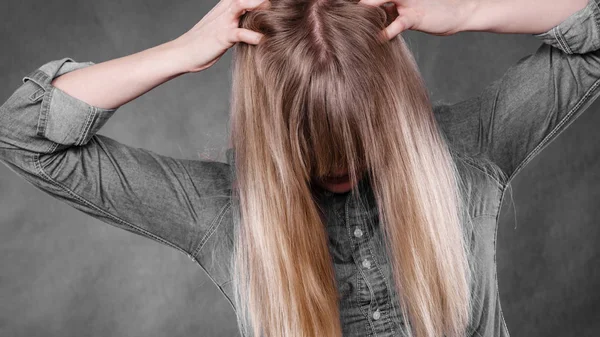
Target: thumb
{"x": 245, "y": 35}
{"x": 400, "y": 24}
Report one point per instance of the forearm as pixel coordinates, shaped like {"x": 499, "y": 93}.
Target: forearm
{"x": 113, "y": 83}
{"x": 520, "y": 16}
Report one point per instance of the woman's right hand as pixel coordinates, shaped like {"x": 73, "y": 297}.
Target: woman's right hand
{"x": 204, "y": 44}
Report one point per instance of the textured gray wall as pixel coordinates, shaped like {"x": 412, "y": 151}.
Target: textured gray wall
{"x": 63, "y": 273}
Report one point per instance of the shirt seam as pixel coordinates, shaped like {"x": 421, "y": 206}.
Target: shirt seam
{"x": 496, "y": 267}
{"x": 558, "y": 35}
{"x": 86, "y": 126}
{"x": 44, "y": 111}
{"x": 82, "y": 200}
{"x": 219, "y": 286}
{"x": 596, "y": 15}
{"x": 37, "y": 95}
{"x": 212, "y": 228}
{"x": 194, "y": 256}
{"x": 471, "y": 163}
{"x": 554, "y": 130}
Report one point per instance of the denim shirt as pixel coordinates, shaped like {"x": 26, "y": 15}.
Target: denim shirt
{"x": 49, "y": 138}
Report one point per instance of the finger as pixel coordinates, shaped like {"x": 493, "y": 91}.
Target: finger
{"x": 264, "y": 5}
{"x": 381, "y": 2}
{"x": 399, "y": 25}
{"x": 391, "y": 8}
{"x": 240, "y": 7}
{"x": 245, "y": 35}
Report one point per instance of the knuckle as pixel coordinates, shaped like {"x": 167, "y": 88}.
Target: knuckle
{"x": 240, "y": 4}
{"x": 239, "y": 34}
{"x": 221, "y": 40}
{"x": 231, "y": 37}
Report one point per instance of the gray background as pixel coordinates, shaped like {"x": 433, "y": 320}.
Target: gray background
{"x": 63, "y": 273}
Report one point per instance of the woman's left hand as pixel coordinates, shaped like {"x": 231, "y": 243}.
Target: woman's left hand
{"x": 436, "y": 17}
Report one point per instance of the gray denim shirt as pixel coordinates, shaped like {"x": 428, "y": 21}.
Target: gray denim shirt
{"x": 49, "y": 138}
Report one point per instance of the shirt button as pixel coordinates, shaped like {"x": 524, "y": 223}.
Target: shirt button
{"x": 357, "y": 232}
{"x": 376, "y": 314}
{"x": 366, "y": 264}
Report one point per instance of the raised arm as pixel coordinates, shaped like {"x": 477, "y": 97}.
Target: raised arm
{"x": 517, "y": 115}
{"x": 48, "y": 137}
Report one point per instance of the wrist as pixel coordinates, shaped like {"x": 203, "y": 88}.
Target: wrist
{"x": 169, "y": 60}
{"x": 473, "y": 16}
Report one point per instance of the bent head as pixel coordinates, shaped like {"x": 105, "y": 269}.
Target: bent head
{"x": 322, "y": 95}
{"x": 315, "y": 87}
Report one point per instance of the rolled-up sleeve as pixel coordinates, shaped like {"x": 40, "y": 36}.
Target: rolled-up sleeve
{"x": 64, "y": 119}
{"x": 42, "y": 118}
{"x": 519, "y": 114}
{"x": 579, "y": 33}
{"x": 49, "y": 138}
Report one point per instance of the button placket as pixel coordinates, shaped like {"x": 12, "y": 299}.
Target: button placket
{"x": 358, "y": 233}
{"x": 377, "y": 311}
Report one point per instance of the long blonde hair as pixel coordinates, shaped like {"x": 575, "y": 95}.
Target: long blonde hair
{"x": 322, "y": 91}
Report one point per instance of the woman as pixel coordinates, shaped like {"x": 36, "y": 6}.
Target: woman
{"x": 349, "y": 205}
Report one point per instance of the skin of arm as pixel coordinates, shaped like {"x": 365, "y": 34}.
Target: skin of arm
{"x": 118, "y": 81}
{"x": 113, "y": 83}
{"x": 519, "y": 16}
{"x": 447, "y": 17}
